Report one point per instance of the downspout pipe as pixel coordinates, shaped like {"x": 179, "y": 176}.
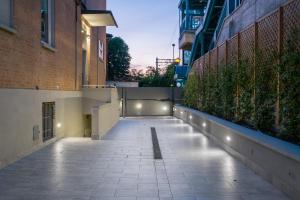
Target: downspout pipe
{"x": 77, "y": 3}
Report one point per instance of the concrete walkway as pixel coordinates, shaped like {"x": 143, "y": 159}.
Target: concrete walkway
{"x": 121, "y": 167}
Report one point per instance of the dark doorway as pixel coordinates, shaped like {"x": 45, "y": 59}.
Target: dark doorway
{"x": 87, "y": 125}
{"x": 48, "y": 120}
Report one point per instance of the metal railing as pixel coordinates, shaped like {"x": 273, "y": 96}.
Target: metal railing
{"x": 190, "y": 23}
{"x": 219, "y": 26}
{"x": 98, "y": 86}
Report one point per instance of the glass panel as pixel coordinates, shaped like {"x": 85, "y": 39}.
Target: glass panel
{"x": 5, "y": 12}
{"x": 52, "y": 22}
{"x": 44, "y": 21}
{"x": 186, "y": 57}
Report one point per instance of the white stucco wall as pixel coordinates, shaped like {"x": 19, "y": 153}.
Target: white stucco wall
{"x": 106, "y": 115}
{"x": 21, "y": 110}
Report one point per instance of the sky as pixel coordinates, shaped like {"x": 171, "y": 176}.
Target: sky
{"x": 149, "y": 27}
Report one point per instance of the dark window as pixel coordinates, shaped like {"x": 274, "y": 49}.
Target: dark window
{"x": 48, "y": 120}
{"x": 233, "y": 4}
{"x": 186, "y": 57}
{"x": 48, "y": 22}
{"x": 6, "y": 7}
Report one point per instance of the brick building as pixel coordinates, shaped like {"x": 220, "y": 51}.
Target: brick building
{"x": 49, "y": 49}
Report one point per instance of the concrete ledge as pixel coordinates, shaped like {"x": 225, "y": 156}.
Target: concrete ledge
{"x": 275, "y": 160}
{"x": 104, "y": 114}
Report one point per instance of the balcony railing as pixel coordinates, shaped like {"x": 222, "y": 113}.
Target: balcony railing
{"x": 190, "y": 23}
{"x": 219, "y": 25}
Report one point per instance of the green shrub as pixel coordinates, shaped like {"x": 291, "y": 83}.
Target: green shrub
{"x": 216, "y": 91}
{"x": 265, "y": 92}
{"x": 191, "y": 91}
{"x": 227, "y": 88}
{"x": 259, "y": 87}
{"x": 290, "y": 91}
{"x": 246, "y": 91}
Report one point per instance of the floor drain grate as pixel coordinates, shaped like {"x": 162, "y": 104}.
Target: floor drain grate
{"x": 156, "y": 148}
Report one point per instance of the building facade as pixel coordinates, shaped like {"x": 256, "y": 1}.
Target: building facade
{"x": 49, "y": 51}
{"x": 191, "y": 14}
{"x": 225, "y": 18}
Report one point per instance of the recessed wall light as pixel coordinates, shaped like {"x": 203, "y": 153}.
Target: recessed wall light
{"x": 228, "y": 138}
{"x": 139, "y": 106}
{"x": 204, "y": 124}
{"x": 164, "y": 108}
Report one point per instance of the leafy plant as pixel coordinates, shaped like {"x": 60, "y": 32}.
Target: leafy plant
{"x": 118, "y": 59}
{"x": 265, "y": 91}
{"x": 246, "y": 90}
{"x": 191, "y": 92}
{"x": 228, "y": 86}
{"x": 289, "y": 69}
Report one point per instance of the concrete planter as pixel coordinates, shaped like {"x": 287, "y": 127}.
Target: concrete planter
{"x": 275, "y": 160}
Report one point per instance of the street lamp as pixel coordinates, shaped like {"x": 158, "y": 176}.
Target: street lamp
{"x": 173, "y": 45}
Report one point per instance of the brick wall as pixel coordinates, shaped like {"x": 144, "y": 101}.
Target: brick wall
{"x": 97, "y": 66}
{"x": 24, "y": 63}
{"x": 97, "y": 74}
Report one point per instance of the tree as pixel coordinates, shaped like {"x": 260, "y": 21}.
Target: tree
{"x": 136, "y": 75}
{"x": 162, "y": 78}
{"x": 118, "y": 59}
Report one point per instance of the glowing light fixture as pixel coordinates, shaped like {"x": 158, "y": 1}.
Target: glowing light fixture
{"x": 228, "y": 138}
{"x": 139, "y": 106}
{"x": 191, "y": 117}
{"x": 204, "y": 124}
{"x": 164, "y": 108}
{"x": 58, "y": 125}
{"x": 181, "y": 112}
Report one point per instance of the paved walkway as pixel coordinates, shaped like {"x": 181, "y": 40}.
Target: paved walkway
{"x": 121, "y": 167}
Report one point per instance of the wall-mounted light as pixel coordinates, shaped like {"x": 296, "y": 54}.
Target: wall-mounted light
{"x": 204, "y": 124}
{"x": 58, "y": 125}
{"x": 139, "y": 106}
{"x": 191, "y": 117}
{"x": 228, "y": 138}
{"x": 181, "y": 112}
{"x": 164, "y": 108}
{"x": 174, "y": 109}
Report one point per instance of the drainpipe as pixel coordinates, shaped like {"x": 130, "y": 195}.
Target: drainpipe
{"x": 77, "y": 3}
{"x": 187, "y": 16}
{"x": 97, "y": 55}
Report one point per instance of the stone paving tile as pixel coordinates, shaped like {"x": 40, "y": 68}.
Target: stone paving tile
{"x": 121, "y": 167}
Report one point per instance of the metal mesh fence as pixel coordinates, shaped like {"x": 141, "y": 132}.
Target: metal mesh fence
{"x": 259, "y": 45}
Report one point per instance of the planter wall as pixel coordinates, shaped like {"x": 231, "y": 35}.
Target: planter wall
{"x": 275, "y": 160}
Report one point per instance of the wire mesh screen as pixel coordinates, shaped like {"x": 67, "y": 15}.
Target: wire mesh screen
{"x": 214, "y": 60}
{"x": 255, "y": 54}
{"x": 232, "y": 50}
{"x": 247, "y": 45}
{"x": 291, "y": 22}
{"x": 267, "y": 37}
{"x": 222, "y": 54}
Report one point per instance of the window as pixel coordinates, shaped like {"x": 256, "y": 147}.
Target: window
{"x": 48, "y": 22}
{"x": 6, "y": 12}
{"x": 233, "y": 4}
{"x": 186, "y": 57}
{"x": 101, "y": 50}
